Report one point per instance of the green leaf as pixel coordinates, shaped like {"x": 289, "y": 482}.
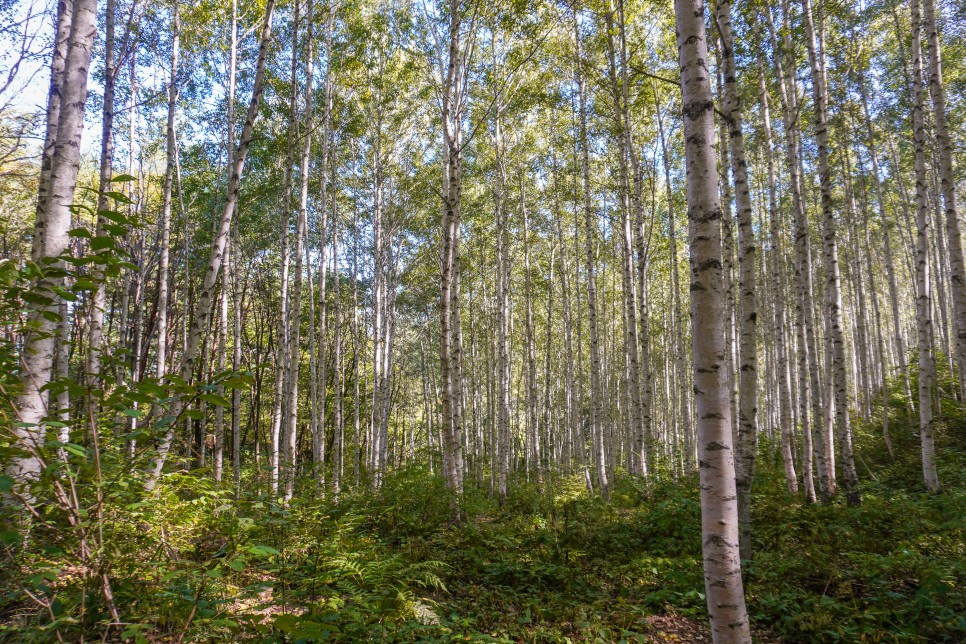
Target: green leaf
{"x": 215, "y": 399}
{"x": 262, "y": 550}
{"x": 6, "y": 483}
{"x": 83, "y": 284}
{"x": 116, "y": 229}
{"x": 79, "y": 232}
{"x": 76, "y": 450}
{"x": 102, "y": 243}
{"x": 122, "y": 178}
{"x": 70, "y": 448}
{"x": 119, "y": 197}
{"x": 152, "y": 388}
{"x": 114, "y": 216}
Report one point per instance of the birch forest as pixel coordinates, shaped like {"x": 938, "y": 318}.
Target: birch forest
{"x": 452, "y": 320}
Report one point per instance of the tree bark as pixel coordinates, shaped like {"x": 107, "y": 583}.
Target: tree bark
{"x": 809, "y": 391}
{"x": 923, "y": 290}
{"x": 167, "y": 189}
{"x": 944, "y": 148}
{"x": 781, "y": 346}
{"x": 206, "y": 297}
{"x": 843, "y": 427}
{"x": 502, "y": 444}
{"x": 55, "y": 197}
{"x": 99, "y": 296}
{"x": 748, "y": 322}
{"x": 590, "y": 238}
{"x": 618, "y": 81}
{"x": 886, "y": 225}
{"x": 719, "y": 508}
{"x": 452, "y": 104}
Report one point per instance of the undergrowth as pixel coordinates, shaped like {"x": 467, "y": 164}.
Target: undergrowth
{"x": 194, "y": 563}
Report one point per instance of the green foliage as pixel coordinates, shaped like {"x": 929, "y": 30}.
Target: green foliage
{"x": 549, "y": 563}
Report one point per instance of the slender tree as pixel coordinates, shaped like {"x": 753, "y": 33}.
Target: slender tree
{"x": 747, "y": 444}
{"x": 56, "y": 195}
{"x": 719, "y": 508}
{"x": 205, "y": 299}
{"x": 831, "y": 254}
{"x": 944, "y": 149}
{"x": 924, "y": 326}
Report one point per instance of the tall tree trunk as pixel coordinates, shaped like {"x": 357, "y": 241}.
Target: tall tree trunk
{"x": 301, "y": 231}
{"x": 236, "y": 360}
{"x": 55, "y": 93}
{"x": 719, "y": 508}
{"x": 338, "y": 426}
{"x": 99, "y": 296}
{"x": 748, "y": 322}
{"x": 944, "y": 148}
{"x": 618, "y": 81}
{"x": 452, "y": 104}
{"x": 319, "y": 455}
{"x": 809, "y": 391}
{"x": 218, "y": 453}
{"x": 590, "y": 230}
{"x": 170, "y": 154}
{"x": 236, "y": 357}
{"x": 843, "y": 427}
{"x": 886, "y": 225}
{"x": 283, "y": 363}
{"x": 923, "y": 291}
{"x": 533, "y": 432}
{"x": 785, "y": 419}
{"x": 502, "y": 307}
{"x": 55, "y": 197}
{"x": 206, "y": 296}
{"x": 677, "y": 364}
{"x": 356, "y": 393}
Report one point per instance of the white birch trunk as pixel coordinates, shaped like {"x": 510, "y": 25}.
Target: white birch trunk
{"x": 785, "y": 419}
{"x": 50, "y": 241}
{"x": 843, "y": 429}
{"x": 206, "y": 297}
{"x": 99, "y": 296}
{"x": 596, "y": 411}
{"x": 747, "y": 443}
{"x": 166, "y": 197}
{"x": 944, "y": 148}
{"x": 719, "y": 509}
{"x": 923, "y": 290}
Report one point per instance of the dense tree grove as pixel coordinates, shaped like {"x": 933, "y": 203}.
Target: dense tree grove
{"x": 281, "y": 260}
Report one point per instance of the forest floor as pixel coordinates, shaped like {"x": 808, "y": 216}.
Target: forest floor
{"x": 551, "y": 563}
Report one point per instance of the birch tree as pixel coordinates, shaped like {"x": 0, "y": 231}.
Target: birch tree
{"x": 747, "y": 444}
{"x": 56, "y": 195}
{"x": 944, "y": 149}
{"x": 719, "y": 509}
{"x": 831, "y": 254}
{"x": 924, "y": 326}
{"x": 205, "y": 299}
